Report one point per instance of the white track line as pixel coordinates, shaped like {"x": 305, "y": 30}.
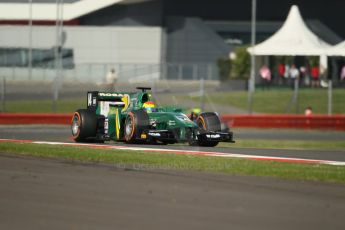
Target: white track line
{"x": 186, "y": 152}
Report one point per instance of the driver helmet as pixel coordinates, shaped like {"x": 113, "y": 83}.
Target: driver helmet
{"x": 149, "y": 106}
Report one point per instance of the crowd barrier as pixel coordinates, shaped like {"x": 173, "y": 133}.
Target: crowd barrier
{"x": 335, "y": 122}
{"x": 32, "y": 118}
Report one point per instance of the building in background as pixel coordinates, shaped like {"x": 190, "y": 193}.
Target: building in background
{"x": 166, "y": 39}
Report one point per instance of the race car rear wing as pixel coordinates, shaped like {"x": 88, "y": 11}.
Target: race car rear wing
{"x": 94, "y": 97}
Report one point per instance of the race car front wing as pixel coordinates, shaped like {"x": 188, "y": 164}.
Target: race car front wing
{"x": 169, "y": 136}
{"x": 216, "y": 136}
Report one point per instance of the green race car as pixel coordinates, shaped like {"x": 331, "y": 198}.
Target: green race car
{"x": 134, "y": 118}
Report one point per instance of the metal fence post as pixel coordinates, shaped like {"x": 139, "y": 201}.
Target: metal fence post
{"x": 30, "y": 42}
{"x": 105, "y": 71}
{"x": 330, "y": 88}
{"x": 195, "y": 72}
{"x": 75, "y": 73}
{"x": 179, "y": 71}
{"x": 3, "y": 94}
{"x": 209, "y": 72}
{"x": 296, "y": 89}
{"x": 202, "y": 94}
{"x": 44, "y": 73}
{"x": 151, "y": 71}
{"x": 251, "y": 86}
{"x": 162, "y": 73}
{"x": 13, "y": 73}
{"x": 90, "y": 71}
{"x": 135, "y": 70}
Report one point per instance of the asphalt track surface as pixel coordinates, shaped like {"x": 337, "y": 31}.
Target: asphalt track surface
{"x": 50, "y": 194}
{"x": 39, "y": 193}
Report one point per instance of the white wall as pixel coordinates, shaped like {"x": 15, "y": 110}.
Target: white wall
{"x": 140, "y": 45}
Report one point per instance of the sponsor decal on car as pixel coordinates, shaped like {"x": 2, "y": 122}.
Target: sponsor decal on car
{"x": 154, "y": 134}
{"x": 112, "y": 95}
{"x": 212, "y": 136}
{"x": 170, "y": 122}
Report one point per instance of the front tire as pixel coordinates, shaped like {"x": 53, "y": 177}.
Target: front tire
{"x": 84, "y": 125}
{"x": 136, "y": 122}
{"x": 208, "y": 122}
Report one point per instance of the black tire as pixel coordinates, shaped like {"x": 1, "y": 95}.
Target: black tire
{"x": 208, "y": 122}
{"x": 84, "y": 125}
{"x": 136, "y": 122}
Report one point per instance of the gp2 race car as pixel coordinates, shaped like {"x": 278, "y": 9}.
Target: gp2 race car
{"x": 134, "y": 118}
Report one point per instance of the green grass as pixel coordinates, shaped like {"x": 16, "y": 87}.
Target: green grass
{"x": 273, "y": 101}
{"x": 286, "y": 144}
{"x": 45, "y": 105}
{"x": 276, "y": 101}
{"x": 296, "y": 171}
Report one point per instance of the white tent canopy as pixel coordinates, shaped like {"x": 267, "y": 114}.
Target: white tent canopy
{"x": 337, "y": 50}
{"x": 293, "y": 38}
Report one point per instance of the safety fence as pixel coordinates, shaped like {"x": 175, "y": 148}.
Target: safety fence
{"x": 336, "y": 122}
{"x": 126, "y": 72}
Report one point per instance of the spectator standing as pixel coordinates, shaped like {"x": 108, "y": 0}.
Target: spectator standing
{"x": 294, "y": 74}
{"x": 315, "y": 72}
{"x": 308, "y": 111}
{"x": 304, "y": 75}
{"x": 265, "y": 74}
{"x": 342, "y": 74}
{"x": 287, "y": 71}
{"x": 286, "y": 74}
{"x": 111, "y": 79}
{"x": 281, "y": 73}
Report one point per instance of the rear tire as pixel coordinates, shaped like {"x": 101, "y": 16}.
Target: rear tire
{"x": 84, "y": 125}
{"x": 208, "y": 122}
{"x": 136, "y": 122}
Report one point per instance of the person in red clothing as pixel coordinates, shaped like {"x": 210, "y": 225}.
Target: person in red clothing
{"x": 315, "y": 72}
{"x": 281, "y": 73}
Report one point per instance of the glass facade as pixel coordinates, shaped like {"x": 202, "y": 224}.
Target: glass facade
{"x": 41, "y": 58}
